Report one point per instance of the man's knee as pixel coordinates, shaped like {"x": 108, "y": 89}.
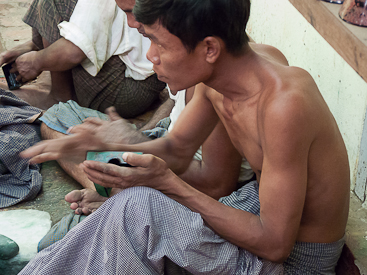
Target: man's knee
{"x": 139, "y": 202}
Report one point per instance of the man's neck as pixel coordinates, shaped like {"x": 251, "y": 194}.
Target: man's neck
{"x": 236, "y": 77}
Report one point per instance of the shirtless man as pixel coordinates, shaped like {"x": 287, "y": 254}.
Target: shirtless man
{"x": 274, "y": 115}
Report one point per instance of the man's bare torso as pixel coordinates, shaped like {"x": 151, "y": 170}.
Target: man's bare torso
{"x": 247, "y": 122}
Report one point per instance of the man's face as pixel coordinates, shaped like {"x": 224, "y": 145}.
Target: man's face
{"x": 171, "y": 61}
{"x": 127, "y": 6}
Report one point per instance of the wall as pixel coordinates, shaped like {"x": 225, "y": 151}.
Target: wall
{"x": 279, "y": 24}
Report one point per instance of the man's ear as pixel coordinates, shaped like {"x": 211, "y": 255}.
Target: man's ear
{"x": 213, "y": 48}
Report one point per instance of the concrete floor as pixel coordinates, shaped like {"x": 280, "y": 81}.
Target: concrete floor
{"x": 56, "y": 183}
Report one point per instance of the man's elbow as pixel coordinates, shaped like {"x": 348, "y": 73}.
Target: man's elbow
{"x": 278, "y": 257}
{"x": 278, "y": 254}
{"x": 77, "y": 56}
{"x": 219, "y": 189}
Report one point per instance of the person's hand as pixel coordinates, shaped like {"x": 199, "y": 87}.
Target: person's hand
{"x": 147, "y": 170}
{"x": 7, "y": 57}
{"x": 72, "y": 147}
{"x": 116, "y": 130}
{"x": 12, "y": 54}
{"x": 26, "y": 66}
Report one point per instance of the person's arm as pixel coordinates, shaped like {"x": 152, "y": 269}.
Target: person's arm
{"x": 12, "y": 54}
{"x": 60, "y": 56}
{"x": 163, "y": 111}
{"x": 217, "y": 173}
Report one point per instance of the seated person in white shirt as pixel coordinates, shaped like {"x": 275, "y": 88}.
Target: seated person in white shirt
{"x": 93, "y": 55}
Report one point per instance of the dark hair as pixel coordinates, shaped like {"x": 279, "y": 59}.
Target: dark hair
{"x": 193, "y": 20}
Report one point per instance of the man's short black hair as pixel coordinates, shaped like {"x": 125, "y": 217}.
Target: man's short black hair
{"x": 193, "y": 20}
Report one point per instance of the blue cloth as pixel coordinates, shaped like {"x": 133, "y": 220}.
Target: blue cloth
{"x": 18, "y": 180}
{"x": 62, "y": 116}
{"x": 59, "y": 230}
{"x": 160, "y": 130}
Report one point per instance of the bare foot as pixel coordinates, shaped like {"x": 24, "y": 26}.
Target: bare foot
{"x": 85, "y": 201}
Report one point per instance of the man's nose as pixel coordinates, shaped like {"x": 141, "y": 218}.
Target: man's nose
{"x": 152, "y": 54}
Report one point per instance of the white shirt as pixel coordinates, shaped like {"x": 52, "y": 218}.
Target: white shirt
{"x": 99, "y": 28}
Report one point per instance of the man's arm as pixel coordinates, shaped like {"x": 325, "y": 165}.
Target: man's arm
{"x": 60, "y": 56}
{"x": 12, "y": 54}
{"x": 217, "y": 173}
{"x": 163, "y": 111}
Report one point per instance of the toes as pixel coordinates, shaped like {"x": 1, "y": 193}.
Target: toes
{"x": 82, "y": 211}
{"x": 79, "y": 211}
{"x": 86, "y": 211}
{"x": 74, "y": 206}
{"x": 74, "y": 196}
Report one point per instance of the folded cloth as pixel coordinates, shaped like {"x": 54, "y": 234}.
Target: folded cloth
{"x": 59, "y": 230}
{"x": 160, "y": 130}
{"x": 19, "y": 129}
{"x": 62, "y": 116}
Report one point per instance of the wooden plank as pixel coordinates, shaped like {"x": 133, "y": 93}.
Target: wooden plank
{"x": 348, "y": 40}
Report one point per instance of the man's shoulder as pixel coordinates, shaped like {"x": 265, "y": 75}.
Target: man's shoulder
{"x": 270, "y": 52}
{"x": 293, "y": 92}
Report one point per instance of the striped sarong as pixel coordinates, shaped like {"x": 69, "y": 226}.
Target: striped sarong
{"x": 109, "y": 87}
{"x": 153, "y": 234}
{"x": 134, "y": 232}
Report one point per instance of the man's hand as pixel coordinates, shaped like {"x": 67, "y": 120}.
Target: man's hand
{"x": 73, "y": 146}
{"x": 116, "y": 130}
{"x": 27, "y": 67}
{"x": 12, "y": 54}
{"x": 148, "y": 170}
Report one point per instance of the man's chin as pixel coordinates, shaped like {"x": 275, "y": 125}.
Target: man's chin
{"x": 162, "y": 78}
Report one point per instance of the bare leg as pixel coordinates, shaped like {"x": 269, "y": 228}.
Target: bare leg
{"x": 36, "y": 92}
{"x": 70, "y": 166}
{"x": 62, "y": 87}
